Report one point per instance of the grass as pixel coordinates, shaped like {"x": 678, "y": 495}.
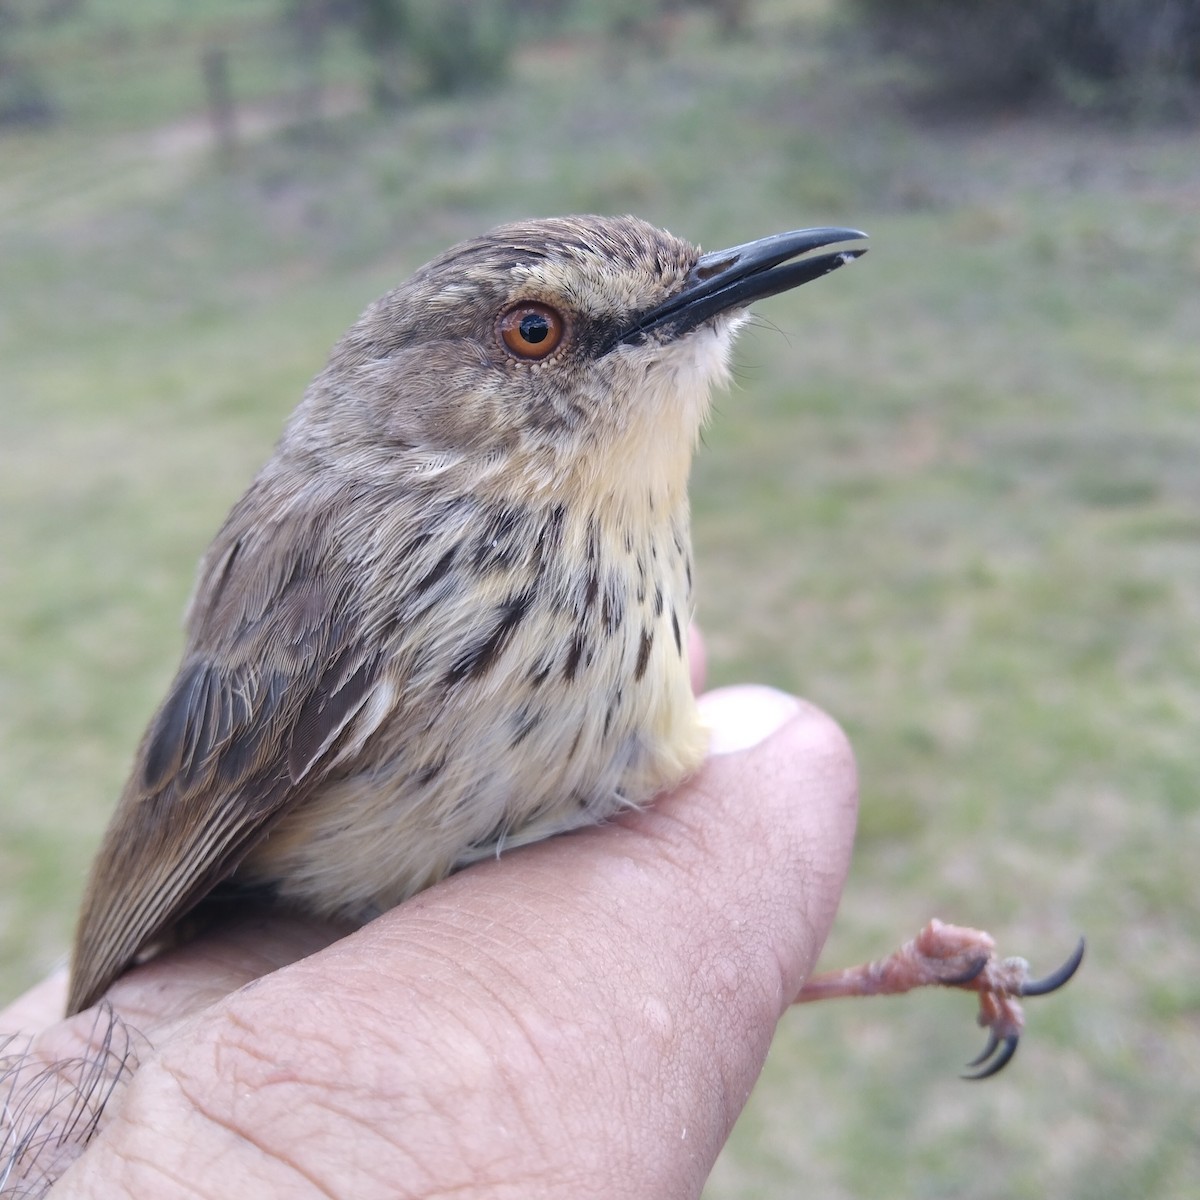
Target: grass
{"x": 136, "y": 64}
{"x": 954, "y": 499}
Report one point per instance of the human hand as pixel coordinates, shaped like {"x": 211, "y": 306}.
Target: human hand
{"x": 585, "y": 1016}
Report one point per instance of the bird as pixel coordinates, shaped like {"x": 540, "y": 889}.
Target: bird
{"x": 449, "y": 615}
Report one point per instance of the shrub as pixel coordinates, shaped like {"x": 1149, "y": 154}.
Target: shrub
{"x": 1118, "y": 55}
{"x": 460, "y": 45}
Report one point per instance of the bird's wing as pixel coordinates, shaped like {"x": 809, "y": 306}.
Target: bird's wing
{"x": 275, "y": 673}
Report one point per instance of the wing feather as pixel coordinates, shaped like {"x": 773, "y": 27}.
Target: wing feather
{"x": 273, "y": 674}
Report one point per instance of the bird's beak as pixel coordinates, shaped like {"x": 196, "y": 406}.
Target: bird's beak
{"x": 735, "y": 278}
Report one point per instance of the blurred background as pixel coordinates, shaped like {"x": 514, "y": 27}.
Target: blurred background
{"x": 954, "y": 496}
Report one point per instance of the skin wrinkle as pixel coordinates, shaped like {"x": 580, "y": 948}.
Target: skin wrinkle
{"x": 679, "y": 841}
{"x": 464, "y": 989}
{"x": 543, "y": 1037}
{"x": 717, "y": 1091}
{"x": 666, "y": 1073}
{"x": 246, "y": 1137}
{"x": 460, "y": 1005}
{"x": 224, "y": 1048}
{"x": 663, "y": 824}
{"x": 131, "y": 1163}
{"x": 693, "y": 847}
{"x": 70, "y": 1042}
{"x": 380, "y": 1099}
{"x": 180, "y": 1181}
{"x": 646, "y": 1085}
{"x": 550, "y": 1023}
{"x": 507, "y": 1066}
{"x": 320, "y": 1088}
{"x": 715, "y": 1079}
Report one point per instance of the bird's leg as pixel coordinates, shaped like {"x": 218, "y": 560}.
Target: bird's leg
{"x": 953, "y": 956}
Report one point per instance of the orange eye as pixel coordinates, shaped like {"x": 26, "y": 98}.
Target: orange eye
{"x": 531, "y": 330}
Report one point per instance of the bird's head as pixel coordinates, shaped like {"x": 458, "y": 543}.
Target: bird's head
{"x": 573, "y": 352}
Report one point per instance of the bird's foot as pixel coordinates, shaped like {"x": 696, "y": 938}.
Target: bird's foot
{"x": 952, "y": 956}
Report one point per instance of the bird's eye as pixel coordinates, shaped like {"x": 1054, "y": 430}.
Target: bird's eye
{"x": 531, "y": 330}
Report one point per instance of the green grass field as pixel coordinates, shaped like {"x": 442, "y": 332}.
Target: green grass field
{"x": 954, "y": 498}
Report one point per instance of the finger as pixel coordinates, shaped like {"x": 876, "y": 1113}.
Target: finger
{"x": 585, "y": 1015}
{"x": 778, "y": 815}
{"x": 37, "y": 1009}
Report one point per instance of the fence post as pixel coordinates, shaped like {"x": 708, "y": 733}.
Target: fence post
{"x": 222, "y": 114}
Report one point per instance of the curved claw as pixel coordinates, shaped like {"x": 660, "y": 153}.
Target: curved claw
{"x": 971, "y": 973}
{"x": 992, "y": 1042}
{"x": 1055, "y": 980}
{"x": 1007, "y": 1050}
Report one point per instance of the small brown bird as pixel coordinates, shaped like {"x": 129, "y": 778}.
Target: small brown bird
{"x": 449, "y": 615}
